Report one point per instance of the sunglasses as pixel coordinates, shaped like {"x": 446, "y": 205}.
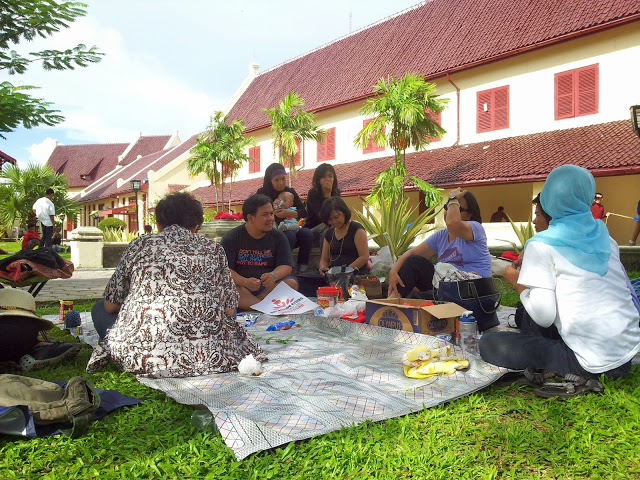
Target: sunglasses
{"x": 462, "y": 209}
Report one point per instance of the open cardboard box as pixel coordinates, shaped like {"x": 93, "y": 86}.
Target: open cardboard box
{"x": 431, "y": 320}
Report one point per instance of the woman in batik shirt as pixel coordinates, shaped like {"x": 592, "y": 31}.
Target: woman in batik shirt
{"x": 172, "y": 300}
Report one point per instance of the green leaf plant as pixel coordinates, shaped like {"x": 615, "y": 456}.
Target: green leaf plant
{"x": 398, "y": 225}
{"x": 523, "y": 232}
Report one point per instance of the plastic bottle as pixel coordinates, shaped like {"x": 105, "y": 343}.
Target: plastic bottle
{"x": 468, "y": 333}
{"x": 202, "y": 419}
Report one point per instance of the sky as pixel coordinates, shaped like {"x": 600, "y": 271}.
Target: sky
{"x": 170, "y": 64}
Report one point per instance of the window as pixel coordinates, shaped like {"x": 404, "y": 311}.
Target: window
{"x": 297, "y": 156}
{"x": 576, "y": 92}
{"x": 371, "y": 146}
{"x": 254, "y": 163}
{"x": 437, "y": 117}
{"x": 327, "y": 148}
{"x": 492, "y": 109}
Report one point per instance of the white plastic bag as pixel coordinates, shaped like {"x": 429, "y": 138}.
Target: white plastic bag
{"x": 381, "y": 263}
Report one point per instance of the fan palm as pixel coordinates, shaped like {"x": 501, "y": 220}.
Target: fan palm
{"x": 21, "y": 188}
{"x": 290, "y": 124}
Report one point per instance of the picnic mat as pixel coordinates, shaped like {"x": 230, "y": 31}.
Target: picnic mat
{"x": 323, "y": 375}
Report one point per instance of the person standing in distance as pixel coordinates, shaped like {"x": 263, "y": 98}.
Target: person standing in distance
{"x": 45, "y": 211}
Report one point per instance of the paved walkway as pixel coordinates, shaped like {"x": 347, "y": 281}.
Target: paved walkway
{"x": 85, "y": 283}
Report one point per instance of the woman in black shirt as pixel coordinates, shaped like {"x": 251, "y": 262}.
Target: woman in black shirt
{"x": 324, "y": 185}
{"x": 345, "y": 242}
{"x": 275, "y": 182}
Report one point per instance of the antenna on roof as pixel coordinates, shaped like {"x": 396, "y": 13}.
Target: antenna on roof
{"x": 350, "y": 18}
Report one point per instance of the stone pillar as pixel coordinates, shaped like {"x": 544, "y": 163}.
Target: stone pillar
{"x": 86, "y": 247}
{"x": 215, "y": 229}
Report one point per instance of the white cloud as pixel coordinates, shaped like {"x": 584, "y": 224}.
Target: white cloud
{"x": 39, "y": 152}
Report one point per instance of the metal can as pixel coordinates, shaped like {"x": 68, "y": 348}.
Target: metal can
{"x": 65, "y": 306}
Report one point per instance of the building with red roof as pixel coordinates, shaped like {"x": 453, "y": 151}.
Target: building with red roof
{"x": 99, "y": 175}
{"x": 530, "y": 86}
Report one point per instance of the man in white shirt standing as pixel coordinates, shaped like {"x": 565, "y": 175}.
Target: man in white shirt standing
{"x": 45, "y": 211}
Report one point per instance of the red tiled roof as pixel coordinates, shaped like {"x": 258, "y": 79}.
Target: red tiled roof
{"x": 145, "y": 146}
{"x": 605, "y": 149}
{"x": 77, "y": 160}
{"x": 4, "y": 158}
{"x": 432, "y": 38}
{"x": 138, "y": 168}
{"x": 97, "y": 160}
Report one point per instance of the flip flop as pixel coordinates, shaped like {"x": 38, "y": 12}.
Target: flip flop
{"x": 528, "y": 377}
{"x": 568, "y": 389}
{"x": 48, "y": 355}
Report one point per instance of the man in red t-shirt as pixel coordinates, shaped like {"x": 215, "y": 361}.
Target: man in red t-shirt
{"x": 597, "y": 210}
{"x": 28, "y": 242}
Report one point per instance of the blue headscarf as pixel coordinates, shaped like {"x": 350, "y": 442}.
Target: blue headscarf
{"x": 567, "y": 196}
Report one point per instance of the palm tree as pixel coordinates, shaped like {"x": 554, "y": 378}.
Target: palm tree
{"x": 290, "y": 124}
{"x": 220, "y": 151}
{"x": 19, "y": 189}
{"x": 401, "y": 111}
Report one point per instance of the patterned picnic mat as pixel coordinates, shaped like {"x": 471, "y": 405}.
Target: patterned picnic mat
{"x": 322, "y": 374}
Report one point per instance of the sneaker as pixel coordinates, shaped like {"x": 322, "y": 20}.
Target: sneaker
{"x": 48, "y": 355}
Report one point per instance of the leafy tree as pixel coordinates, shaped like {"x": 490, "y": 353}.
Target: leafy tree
{"x": 291, "y": 124}
{"x": 220, "y": 152}
{"x": 19, "y": 190}
{"x": 401, "y": 111}
{"x": 25, "y": 20}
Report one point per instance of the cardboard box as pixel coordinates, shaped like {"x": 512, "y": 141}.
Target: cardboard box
{"x": 392, "y": 313}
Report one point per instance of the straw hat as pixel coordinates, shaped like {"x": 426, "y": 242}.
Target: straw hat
{"x": 19, "y": 303}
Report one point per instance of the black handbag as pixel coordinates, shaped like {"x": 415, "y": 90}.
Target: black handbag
{"x": 480, "y": 295}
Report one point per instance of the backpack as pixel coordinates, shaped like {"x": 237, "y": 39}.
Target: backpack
{"x": 49, "y": 403}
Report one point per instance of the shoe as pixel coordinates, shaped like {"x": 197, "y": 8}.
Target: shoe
{"x": 48, "y": 355}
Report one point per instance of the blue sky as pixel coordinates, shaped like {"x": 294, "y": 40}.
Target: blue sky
{"x": 171, "y": 63}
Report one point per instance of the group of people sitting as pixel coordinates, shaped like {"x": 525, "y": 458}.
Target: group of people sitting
{"x": 168, "y": 309}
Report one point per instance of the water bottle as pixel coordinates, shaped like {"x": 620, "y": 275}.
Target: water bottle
{"x": 202, "y": 419}
{"x": 468, "y": 333}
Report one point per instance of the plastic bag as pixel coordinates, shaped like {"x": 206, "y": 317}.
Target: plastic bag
{"x": 381, "y": 263}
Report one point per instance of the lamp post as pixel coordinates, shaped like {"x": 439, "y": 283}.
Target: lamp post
{"x": 135, "y": 186}
{"x": 635, "y": 118}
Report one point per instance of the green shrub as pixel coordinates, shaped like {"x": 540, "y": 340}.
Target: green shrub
{"x": 111, "y": 222}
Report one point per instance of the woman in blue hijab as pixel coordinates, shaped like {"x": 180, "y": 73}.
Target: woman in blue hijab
{"x": 574, "y": 289}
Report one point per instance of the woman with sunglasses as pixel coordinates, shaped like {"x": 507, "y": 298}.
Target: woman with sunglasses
{"x": 462, "y": 244}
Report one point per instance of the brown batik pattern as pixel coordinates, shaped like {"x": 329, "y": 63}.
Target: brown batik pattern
{"x": 174, "y": 287}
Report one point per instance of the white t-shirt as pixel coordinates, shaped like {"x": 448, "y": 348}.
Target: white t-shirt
{"x": 594, "y": 315}
{"x": 44, "y": 207}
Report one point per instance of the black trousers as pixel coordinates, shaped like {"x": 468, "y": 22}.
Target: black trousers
{"x": 416, "y": 272}
{"x": 47, "y": 233}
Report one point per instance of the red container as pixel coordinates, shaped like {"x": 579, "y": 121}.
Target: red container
{"x": 328, "y": 296}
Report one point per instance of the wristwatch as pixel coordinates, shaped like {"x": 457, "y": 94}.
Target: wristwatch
{"x": 452, "y": 197}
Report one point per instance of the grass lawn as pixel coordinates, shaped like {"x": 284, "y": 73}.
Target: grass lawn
{"x": 498, "y": 432}
{"x": 13, "y": 247}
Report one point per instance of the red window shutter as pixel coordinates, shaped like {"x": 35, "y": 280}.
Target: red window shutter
{"x": 254, "y": 163}
{"x": 587, "y": 90}
{"x": 327, "y": 148}
{"x": 296, "y": 157}
{"x": 371, "y": 146}
{"x": 436, "y": 117}
{"x": 483, "y": 111}
{"x": 500, "y": 114}
{"x": 563, "y": 95}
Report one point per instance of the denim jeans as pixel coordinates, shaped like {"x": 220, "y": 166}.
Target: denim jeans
{"x": 47, "y": 233}
{"x": 519, "y": 350}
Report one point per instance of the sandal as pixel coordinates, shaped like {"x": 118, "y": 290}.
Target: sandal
{"x": 48, "y": 355}
{"x": 573, "y": 385}
{"x": 530, "y": 377}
